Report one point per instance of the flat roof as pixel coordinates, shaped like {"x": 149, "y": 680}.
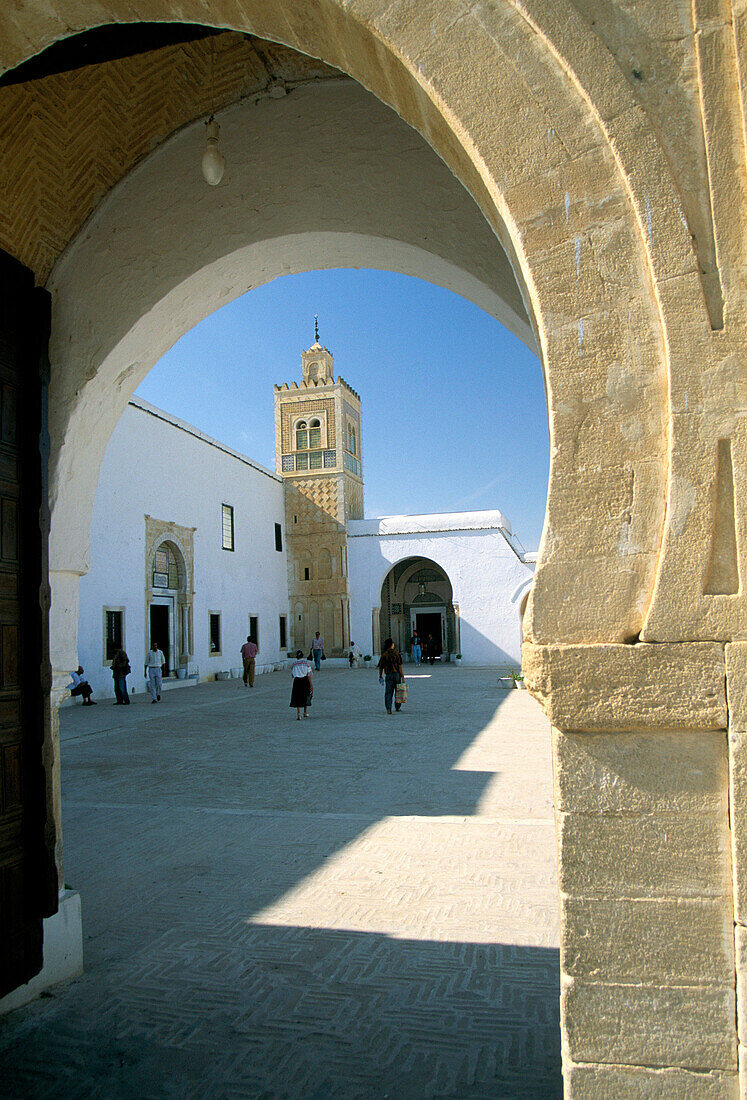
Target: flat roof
{"x": 434, "y": 522}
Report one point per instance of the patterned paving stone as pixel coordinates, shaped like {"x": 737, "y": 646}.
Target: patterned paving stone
{"x": 356, "y": 906}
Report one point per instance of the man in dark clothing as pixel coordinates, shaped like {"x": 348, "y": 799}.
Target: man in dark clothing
{"x": 390, "y": 673}
{"x": 120, "y": 672}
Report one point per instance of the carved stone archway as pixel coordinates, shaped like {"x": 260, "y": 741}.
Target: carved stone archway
{"x": 630, "y": 266}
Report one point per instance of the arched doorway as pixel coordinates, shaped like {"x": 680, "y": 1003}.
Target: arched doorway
{"x": 539, "y": 116}
{"x": 417, "y": 595}
{"x": 168, "y": 596}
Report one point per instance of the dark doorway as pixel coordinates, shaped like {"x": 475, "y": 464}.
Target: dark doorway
{"x": 429, "y": 622}
{"x": 28, "y": 875}
{"x": 159, "y": 631}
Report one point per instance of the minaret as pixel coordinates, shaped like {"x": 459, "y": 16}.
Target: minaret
{"x": 318, "y": 455}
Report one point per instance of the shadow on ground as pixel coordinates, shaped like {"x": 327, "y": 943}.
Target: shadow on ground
{"x": 183, "y": 824}
{"x": 295, "y": 1012}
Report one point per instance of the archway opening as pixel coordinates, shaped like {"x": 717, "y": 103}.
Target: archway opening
{"x": 417, "y": 600}
{"x": 612, "y": 425}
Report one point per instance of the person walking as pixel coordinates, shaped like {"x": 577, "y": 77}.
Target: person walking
{"x": 154, "y": 663}
{"x": 249, "y": 651}
{"x": 303, "y": 687}
{"x": 391, "y": 673}
{"x": 415, "y": 647}
{"x": 355, "y": 655}
{"x": 317, "y": 651}
{"x": 79, "y": 686}
{"x": 120, "y": 671}
{"x": 430, "y": 650}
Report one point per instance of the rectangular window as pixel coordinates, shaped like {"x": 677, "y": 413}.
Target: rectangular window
{"x": 227, "y": 516}
{"x": 113, "y": 632}
{"x": 214, "y": 619}
{"x": 306, "y": 574}
{"x": 315, "y": 437}
{"x": 283, "y": 623}
{"x": 254, "y": 629}
{"x": 330, "y": 459}
{"x": 278, "y": 537}
{"x": 315, "y": 460}
{"x": 302, "y": 462}
{"x": 288, "y": 463}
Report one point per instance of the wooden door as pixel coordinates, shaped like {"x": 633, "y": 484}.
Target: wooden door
{"x": 28, "y": 878}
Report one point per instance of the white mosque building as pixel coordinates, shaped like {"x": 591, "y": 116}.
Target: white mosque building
{"x": 200, "y": 562}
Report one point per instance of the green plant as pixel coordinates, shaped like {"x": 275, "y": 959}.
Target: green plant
{"x": 515, "y": 676}
{"x": 458, "y": 656}
{"x": 367, "y": 657}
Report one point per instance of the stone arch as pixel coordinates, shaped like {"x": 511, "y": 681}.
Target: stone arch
{"x": 401, "y": 605}
{"x": 554, "y": 62}
{"x": 304, "y": 562}
{"x": 179, "y": 542}
{"x": 299, "y": 626}
{"x": 175, "y": 552}
{"x": 533, "y": 115}
{"x": 332, "y": 637}
{"x": 324, "y": 564}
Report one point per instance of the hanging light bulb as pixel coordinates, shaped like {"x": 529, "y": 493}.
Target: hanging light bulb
{"x": 213, "y": 163}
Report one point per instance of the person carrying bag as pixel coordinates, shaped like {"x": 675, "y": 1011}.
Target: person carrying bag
{"x": 391, "y": 675}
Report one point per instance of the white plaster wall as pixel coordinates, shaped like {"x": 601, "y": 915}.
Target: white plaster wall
{"x": 306, "y": 187}
{"x": 193, "y": 477}
{"x": 488, "y": 579}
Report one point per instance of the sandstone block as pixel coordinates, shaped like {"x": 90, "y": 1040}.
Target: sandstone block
{"x": 740, "y": 944}
{"x": 647, "y": 856}
{"x": 669, "y": 243}
{"x": 622, "y": 688}
{"x": 639, "y": 773}
{"x": 738, "y": 798}
{"x": 661, "y": 941}
{"x": 684, "y": 1026}
{"x": 736, "y": 685}
{"x": 646, "y": 1083}
{"x": 579, "y": 601}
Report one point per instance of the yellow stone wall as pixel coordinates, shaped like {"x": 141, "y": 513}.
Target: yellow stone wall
{"x": 604, "y": 142}
{"x": 317, "y": 507}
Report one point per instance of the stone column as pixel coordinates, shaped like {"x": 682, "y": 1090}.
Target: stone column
{"x": 736, "y": 681}
{"x": 645, "y": 874}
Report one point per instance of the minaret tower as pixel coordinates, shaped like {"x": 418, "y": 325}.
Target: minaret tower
{"x": 318, "y": 455}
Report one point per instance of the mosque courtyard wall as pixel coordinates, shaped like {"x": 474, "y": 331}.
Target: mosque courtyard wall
{"x": 158, "y": 467}
{"x": 489, "y": 580}
{"x": 165, "y": 482}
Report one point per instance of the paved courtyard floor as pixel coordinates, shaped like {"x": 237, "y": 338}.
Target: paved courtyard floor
{"x": 356, "y": 905}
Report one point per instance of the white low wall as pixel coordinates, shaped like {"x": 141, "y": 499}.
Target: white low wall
{"x": 63, "y": 953}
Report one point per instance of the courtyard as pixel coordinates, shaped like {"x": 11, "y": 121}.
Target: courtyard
{"x": 356, "y": 905}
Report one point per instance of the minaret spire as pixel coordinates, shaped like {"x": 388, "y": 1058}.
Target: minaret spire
{"x": 316, "y": 328}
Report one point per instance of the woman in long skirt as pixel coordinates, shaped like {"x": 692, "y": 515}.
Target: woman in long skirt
{"x": 302, "y": 689}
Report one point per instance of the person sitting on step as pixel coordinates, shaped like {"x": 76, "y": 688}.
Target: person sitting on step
{"x": 79, "y": 686}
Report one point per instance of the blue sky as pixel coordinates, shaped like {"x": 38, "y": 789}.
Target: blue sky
{"x": 453, "y": 406}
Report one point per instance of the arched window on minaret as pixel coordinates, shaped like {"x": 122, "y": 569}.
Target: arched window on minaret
{"x": 302, "y": 436}
{"x": 315, "y": 434}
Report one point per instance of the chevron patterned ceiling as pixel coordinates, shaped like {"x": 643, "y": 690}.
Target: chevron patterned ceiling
{"x": 68, "y": 138}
